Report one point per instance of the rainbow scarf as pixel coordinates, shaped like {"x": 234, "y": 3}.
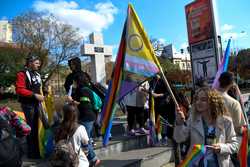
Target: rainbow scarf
{"x": 197, "y": 153}
{"x": 135, "y": 63}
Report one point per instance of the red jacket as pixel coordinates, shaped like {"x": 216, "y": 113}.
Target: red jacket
{"x": 27, "y": 85}
{"x": 21, "y": 86}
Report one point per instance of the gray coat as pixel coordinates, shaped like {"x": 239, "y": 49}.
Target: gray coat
{"x": 225, "y": 136}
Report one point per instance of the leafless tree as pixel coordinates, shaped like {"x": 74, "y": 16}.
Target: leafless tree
{"x": 44, "y": 35}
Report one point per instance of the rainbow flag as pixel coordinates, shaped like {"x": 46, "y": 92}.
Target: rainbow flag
{"x": 45, "y": 136}
{"x": 223, "y": 65}
{"x": 135, "y": 63}
{"x": 197, "y": 153}
{"x": 20, "y": 114}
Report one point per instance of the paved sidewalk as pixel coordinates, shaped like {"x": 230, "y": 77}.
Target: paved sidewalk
{"x": 169, "y": 165}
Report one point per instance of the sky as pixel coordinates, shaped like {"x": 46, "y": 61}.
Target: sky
{"x": 162, "y": 19}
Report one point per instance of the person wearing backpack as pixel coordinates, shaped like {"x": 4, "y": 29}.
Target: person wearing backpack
{"x": 84, "y": 99}
{"x": 70, "y": 138}
{"x": 28, "y": 86}
{"x": 12, "y": 127}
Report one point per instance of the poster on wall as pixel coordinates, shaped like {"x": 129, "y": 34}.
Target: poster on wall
{"x": 204, "y": 63}
{"x": 204, "y": 68}
{"x": 199, "y": 21}
{"x": 203, "y": 49}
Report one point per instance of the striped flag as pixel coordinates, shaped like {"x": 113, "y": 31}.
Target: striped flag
{"x": 223, "y": 65}
{"x": 135, "y": 63}
{"x": 243, "y": 152}
{"x": 197, "y": 153}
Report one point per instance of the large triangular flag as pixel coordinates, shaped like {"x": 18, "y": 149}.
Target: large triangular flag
{"x": 135, "y": 63}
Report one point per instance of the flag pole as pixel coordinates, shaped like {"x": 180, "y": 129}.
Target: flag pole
{"x": 168, "y": 87}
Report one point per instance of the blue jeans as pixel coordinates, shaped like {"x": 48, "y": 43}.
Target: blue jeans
{"x": 31, "y": 114}
{"x": 89, "y": 127}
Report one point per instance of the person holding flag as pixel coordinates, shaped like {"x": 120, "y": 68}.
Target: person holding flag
{"x": 208, "y": 125}
{"x": 28, "y": 86}
{"x": 226, "y": 82}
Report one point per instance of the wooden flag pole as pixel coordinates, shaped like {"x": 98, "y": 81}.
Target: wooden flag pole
{"x": 169, "y": 88}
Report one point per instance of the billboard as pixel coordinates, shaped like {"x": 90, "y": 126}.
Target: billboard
{"x": 202, "y": 39}
{"x": 199, "y": 21}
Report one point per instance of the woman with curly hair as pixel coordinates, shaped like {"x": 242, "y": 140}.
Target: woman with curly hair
{"x": 208, "y": 124}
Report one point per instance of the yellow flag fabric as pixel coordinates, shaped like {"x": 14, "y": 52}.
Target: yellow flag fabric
{"x": 140, "y": 58}
{"x": 44, "y": 136}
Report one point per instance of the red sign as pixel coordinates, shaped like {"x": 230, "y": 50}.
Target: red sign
{"x": 199, "y": 21}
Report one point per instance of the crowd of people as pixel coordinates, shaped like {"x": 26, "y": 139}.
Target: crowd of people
{"x": 213, "y": 117}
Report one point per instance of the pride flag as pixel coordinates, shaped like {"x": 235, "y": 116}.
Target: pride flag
{"x": 223, "y": 65}
{"x": 194, "y": 156}
{"x": 45, "y": 136}
{"x": 135, "y": 63}
{"x": 21, "y": 115}
{"x": 243, "y": 152}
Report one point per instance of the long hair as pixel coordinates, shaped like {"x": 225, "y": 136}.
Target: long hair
{"x": 215, "y": 101}
{"x": 69, "y": 123}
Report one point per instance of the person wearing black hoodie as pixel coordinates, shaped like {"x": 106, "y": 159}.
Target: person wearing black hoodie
{"x": 75, "y": 67}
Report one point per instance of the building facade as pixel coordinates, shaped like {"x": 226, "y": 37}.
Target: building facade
{"x": 5, "y": 31}
{"x": 180, "y": 58}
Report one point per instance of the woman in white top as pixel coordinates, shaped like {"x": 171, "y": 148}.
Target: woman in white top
{"x": 70, "y": 126}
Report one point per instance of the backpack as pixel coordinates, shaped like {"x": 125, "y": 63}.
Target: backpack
{"x": 97, "y": 101}
{"x": 64, "y": 154}
{"x": 97, "y": 104}
{"x": 10, "y": 150}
